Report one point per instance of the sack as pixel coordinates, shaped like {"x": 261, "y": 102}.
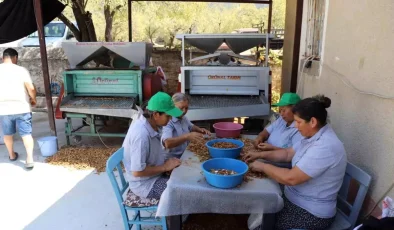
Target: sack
{"x": 136, "y": 114}
{"x": 160, "y": 72}
{"x": 386, "y": 222}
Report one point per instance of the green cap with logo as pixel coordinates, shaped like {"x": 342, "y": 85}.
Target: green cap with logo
{"x": 288, "y": 99}
{"x": 162, "y": 102}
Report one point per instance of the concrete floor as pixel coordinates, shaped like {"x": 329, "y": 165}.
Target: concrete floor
{"x": 53, "y": 197}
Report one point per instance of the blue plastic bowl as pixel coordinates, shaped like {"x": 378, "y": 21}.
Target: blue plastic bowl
{"x": 223, "y": 181}
{"x": 224, "y": 153}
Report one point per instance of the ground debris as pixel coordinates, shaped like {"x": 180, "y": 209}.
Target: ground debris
{"x": 82, "y": 158}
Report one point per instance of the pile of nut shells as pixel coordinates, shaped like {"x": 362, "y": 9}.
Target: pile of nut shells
{"x": 223, "y": 172}
{"x": 225, "y": 145}
{"x": 82, "y": 158}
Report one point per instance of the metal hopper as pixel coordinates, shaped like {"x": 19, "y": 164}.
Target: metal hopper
{"x": 238, "y": 43}
{"x": 80, "y": 53}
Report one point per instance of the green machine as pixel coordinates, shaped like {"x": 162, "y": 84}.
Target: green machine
{"x": 93, "y": 100}
{"x": 98, "y": 97}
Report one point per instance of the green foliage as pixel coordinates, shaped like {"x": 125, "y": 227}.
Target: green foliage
{"x": 275, "y": 57}
{"x": 161, "y": 20}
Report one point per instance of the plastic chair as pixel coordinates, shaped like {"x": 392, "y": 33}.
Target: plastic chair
{"x": 342, "y": 220}
{"x": 120, "y": 188}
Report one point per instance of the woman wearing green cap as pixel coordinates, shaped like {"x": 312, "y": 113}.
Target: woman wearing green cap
{"x": 143, "y": 158}
{"x": 282, "y": 133}
{"x": 179, "y": 131}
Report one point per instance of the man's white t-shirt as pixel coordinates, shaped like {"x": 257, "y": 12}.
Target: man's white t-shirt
{"x": 14, "y": 98}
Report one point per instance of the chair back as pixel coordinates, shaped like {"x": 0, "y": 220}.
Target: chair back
{"x": 352, "y": 211}
{"x": 115, "y": 161}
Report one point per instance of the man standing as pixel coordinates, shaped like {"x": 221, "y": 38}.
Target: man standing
{"x": 17, "y": 95}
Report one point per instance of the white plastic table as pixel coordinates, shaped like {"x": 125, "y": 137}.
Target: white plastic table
{"x": 187, "y": 192}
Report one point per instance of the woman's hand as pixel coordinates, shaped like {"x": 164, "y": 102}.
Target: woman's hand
{"x": 251, "y": 156}
{"x": 33, "y": 102}
{"x": 256, "y": 142}
{"x": 256, "y": 166}
{"x": 265, "y": 147}
{"x": 171, "y": 163}
{"x": 194, "y": 136}
{"x": 205, "y": 131}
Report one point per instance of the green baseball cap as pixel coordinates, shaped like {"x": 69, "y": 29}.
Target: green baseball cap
{"x": 162, "y": 102}
{"x": 288, "y": 99}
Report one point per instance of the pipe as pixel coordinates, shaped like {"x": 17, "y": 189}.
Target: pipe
{"x": 225, "y": 1}
{"x": 296, "y": 46}
{"x": 270, "y": 17}
{"x": 130, "y": 13}
{"x": 44, "y": 62}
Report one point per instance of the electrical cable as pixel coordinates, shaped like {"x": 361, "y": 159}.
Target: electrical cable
{"x": 345, "y": 80}
{"x": 342, "y": 77}
{"x": 97, "y": 133}
{"x": 301, "y": 80}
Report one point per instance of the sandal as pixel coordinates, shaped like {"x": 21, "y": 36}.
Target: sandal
{"x": 29, "y": 165}
{"x": 16, "y": 157}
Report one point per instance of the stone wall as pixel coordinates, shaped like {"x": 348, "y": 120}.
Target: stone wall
{"x": 171, "y": 62}
{"x": 29, "y": 58}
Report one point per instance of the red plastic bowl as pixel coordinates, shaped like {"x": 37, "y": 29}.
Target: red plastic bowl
{"x": 227, "y": 129}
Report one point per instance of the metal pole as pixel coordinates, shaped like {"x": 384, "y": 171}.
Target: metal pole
{"x": 44, "y": 62}
{"x": 267, "y": 49}
{"x": 183, "y": 51}
{"x": 296, "y": 46}
{"x": 270, "y": 17}
{"x": 130, "y": 22}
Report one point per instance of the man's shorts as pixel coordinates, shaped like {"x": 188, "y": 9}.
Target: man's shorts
{"x": 20, "y": 121}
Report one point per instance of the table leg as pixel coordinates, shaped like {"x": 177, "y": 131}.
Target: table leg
{"x": 174, "y": 222}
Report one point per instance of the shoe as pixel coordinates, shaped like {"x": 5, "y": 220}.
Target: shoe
{"x": 29, "y": 165}
{"x": 16, "y": 157}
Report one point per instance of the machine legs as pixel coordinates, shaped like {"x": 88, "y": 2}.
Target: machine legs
{"x": 68, "y": 130}
{"x": 91, "y": 126}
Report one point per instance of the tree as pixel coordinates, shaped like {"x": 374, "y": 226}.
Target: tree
{"x": 278, "y": 14}
{"x": 180, "y": 18}
{"x": 110, "y": 9}
{"x": 85, "y": 31}
{"x": 161, "y": 19}
{"x": 152, "y": 26}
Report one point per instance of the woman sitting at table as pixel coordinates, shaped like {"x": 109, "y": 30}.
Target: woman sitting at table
{"x": 282, "y": 133}
{"x": 143, "y": 158}
{"x": 180, "y": 131}
{"x": 319, "y": 164}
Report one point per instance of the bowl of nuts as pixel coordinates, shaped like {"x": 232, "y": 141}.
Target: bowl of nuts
{"x": 224, "y": 148}
{"x": 224, "y": 172}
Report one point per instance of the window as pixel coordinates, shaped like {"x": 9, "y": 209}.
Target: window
{"x": 52, "y": 30}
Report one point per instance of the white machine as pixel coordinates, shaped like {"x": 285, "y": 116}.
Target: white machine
{"x": 228, "y": 84}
